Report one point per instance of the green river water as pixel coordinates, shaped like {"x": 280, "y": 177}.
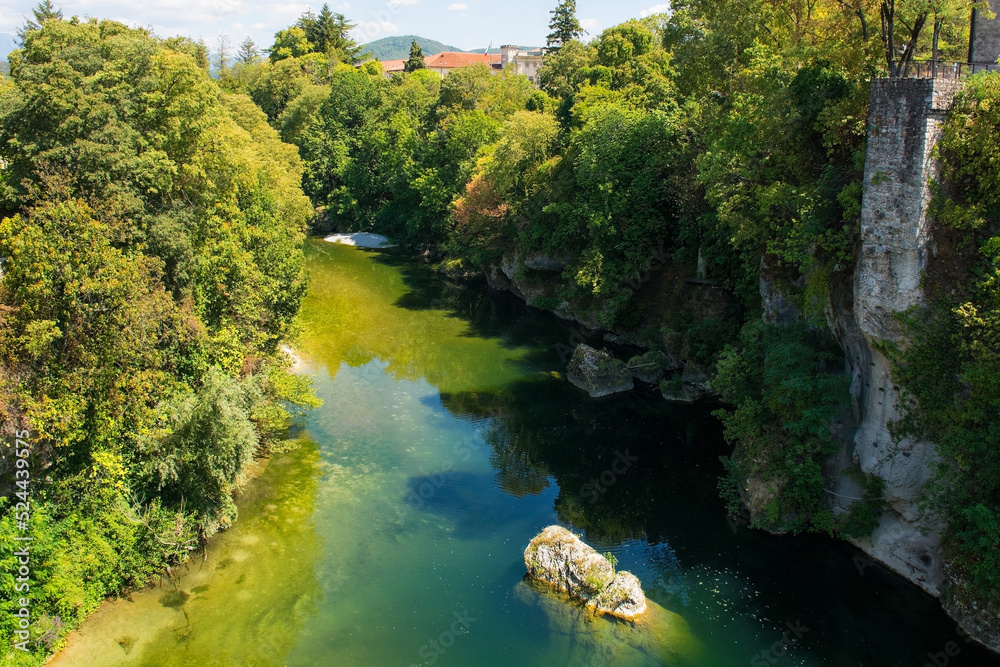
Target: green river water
{"x": 394, "y": 535}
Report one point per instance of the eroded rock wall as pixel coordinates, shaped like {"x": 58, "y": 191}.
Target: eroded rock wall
{"x": 905, "y": 124}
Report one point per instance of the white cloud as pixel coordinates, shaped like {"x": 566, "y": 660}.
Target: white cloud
{"x": 458, "y": 6}
{"x": 656, "y": 9}
{"x": 367, "y": 31}
{"x": 393, "y": 4}
{"x": 592, "y": 26}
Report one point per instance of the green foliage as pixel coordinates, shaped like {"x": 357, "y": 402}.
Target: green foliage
{"x": 290, "y": 43}
{"x": 785, "y": 391}
{"x": 864, "y": 514}
{"x": 153, "y": 268}
{"x": 564, "y": 25}
{"x": 416, "y": 60}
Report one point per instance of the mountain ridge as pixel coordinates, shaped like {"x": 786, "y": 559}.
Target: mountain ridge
{"x": 398, "y": 48}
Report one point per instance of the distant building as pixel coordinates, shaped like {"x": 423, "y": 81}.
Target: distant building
{"x": 524, "y": 62}
{"x": 391, "y": 67}
{"x": 444, "y": 63}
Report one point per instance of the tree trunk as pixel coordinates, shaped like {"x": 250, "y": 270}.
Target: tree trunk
{"x": 888, "y": 34}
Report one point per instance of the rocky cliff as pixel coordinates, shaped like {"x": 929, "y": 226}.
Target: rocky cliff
{"x": 896, "y": 245}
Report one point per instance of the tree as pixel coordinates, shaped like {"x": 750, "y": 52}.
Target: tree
{"x": 223, "y": 57}
{"x": 247, "y": 53}
{"x": 416, "y": 60}
{"x": 329, "y": 33}
{"x": 290, "y": 43}
{"x": 564, "y": 25}
{"x": 43, "y": 11}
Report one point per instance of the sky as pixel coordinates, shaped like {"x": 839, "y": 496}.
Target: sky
{"x": 466, "y": 24}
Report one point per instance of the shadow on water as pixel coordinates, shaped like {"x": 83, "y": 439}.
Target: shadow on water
{"x": 464, "y": 498}
{"x": 639, "y": 478}
{"x": 488, "y": 313}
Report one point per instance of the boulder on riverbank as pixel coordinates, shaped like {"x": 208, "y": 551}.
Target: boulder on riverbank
{"x": 688, "y": 387}
{"x": 598, "y": 373}
{"x": 649, "y": 367}
{"x": 562, "y": 560}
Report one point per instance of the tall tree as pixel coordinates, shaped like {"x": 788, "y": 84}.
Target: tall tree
{"x": 247, "y": 53}
{"x": 43, "y": 11}
{"x": 223, "y": 57}
{"x": 564, "y": 25}
{"x": 329, "y": 33}
{"x": 416, "y": 60}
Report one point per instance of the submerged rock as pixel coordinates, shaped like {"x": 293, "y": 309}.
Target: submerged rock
{"x": 598, "y": 373}
{"x": 562, "y": 560}
{"x": 579, "y": 636}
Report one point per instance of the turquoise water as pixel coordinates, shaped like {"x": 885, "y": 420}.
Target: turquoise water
{"x": 394, "y": 535}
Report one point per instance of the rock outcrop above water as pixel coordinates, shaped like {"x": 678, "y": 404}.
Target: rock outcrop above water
{"x": 598, "y": 373}
{"x": 649, "y": 367}
{"x": 562, "y": 560}
{"x": 689, "y": 387}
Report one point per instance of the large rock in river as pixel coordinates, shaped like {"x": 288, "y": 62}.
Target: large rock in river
{"x": 562, "y": 560}
{"x": 598, "y": 373}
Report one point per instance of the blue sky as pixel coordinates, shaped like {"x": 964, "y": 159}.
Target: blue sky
{"x": 465, "y": 24}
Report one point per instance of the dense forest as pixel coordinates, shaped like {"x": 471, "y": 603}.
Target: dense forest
{"x": 154, "y": 198}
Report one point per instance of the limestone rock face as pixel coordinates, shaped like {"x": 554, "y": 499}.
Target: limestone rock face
{"x": 896, "y": 245}
{"x": 562, "y": 560}
{"x": 598, "y": 373}
{"x": 623, "y": 597}
{"x": 542, "y": 262}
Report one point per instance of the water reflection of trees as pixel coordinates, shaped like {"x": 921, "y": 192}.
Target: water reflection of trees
{"x": 542, "y": 428}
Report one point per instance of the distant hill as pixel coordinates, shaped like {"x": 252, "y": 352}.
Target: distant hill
{"x": 398, "y": 48}
{"x": 7, "y": 44}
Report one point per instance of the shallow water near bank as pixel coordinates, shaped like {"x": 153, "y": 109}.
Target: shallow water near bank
{"x": 394, "y": 535}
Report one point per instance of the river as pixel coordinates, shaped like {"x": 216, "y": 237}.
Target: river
{"x": 394, "y": 533}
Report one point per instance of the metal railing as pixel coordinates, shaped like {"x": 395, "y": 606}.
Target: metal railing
{"x": 942, "y": 69}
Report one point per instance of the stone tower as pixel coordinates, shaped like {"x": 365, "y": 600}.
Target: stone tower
{"x": 984, "y": 37}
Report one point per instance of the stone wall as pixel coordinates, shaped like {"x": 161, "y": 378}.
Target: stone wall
{"x": 905, "y": 123}
{"x": 985, "y": 47}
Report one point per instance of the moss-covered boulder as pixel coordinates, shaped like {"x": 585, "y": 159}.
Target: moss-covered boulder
{"x": 598, "y": 373}
{"x": 649, "y": 367}
{"x": 562, "y": 560}
{"x": 623, "y": 597}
